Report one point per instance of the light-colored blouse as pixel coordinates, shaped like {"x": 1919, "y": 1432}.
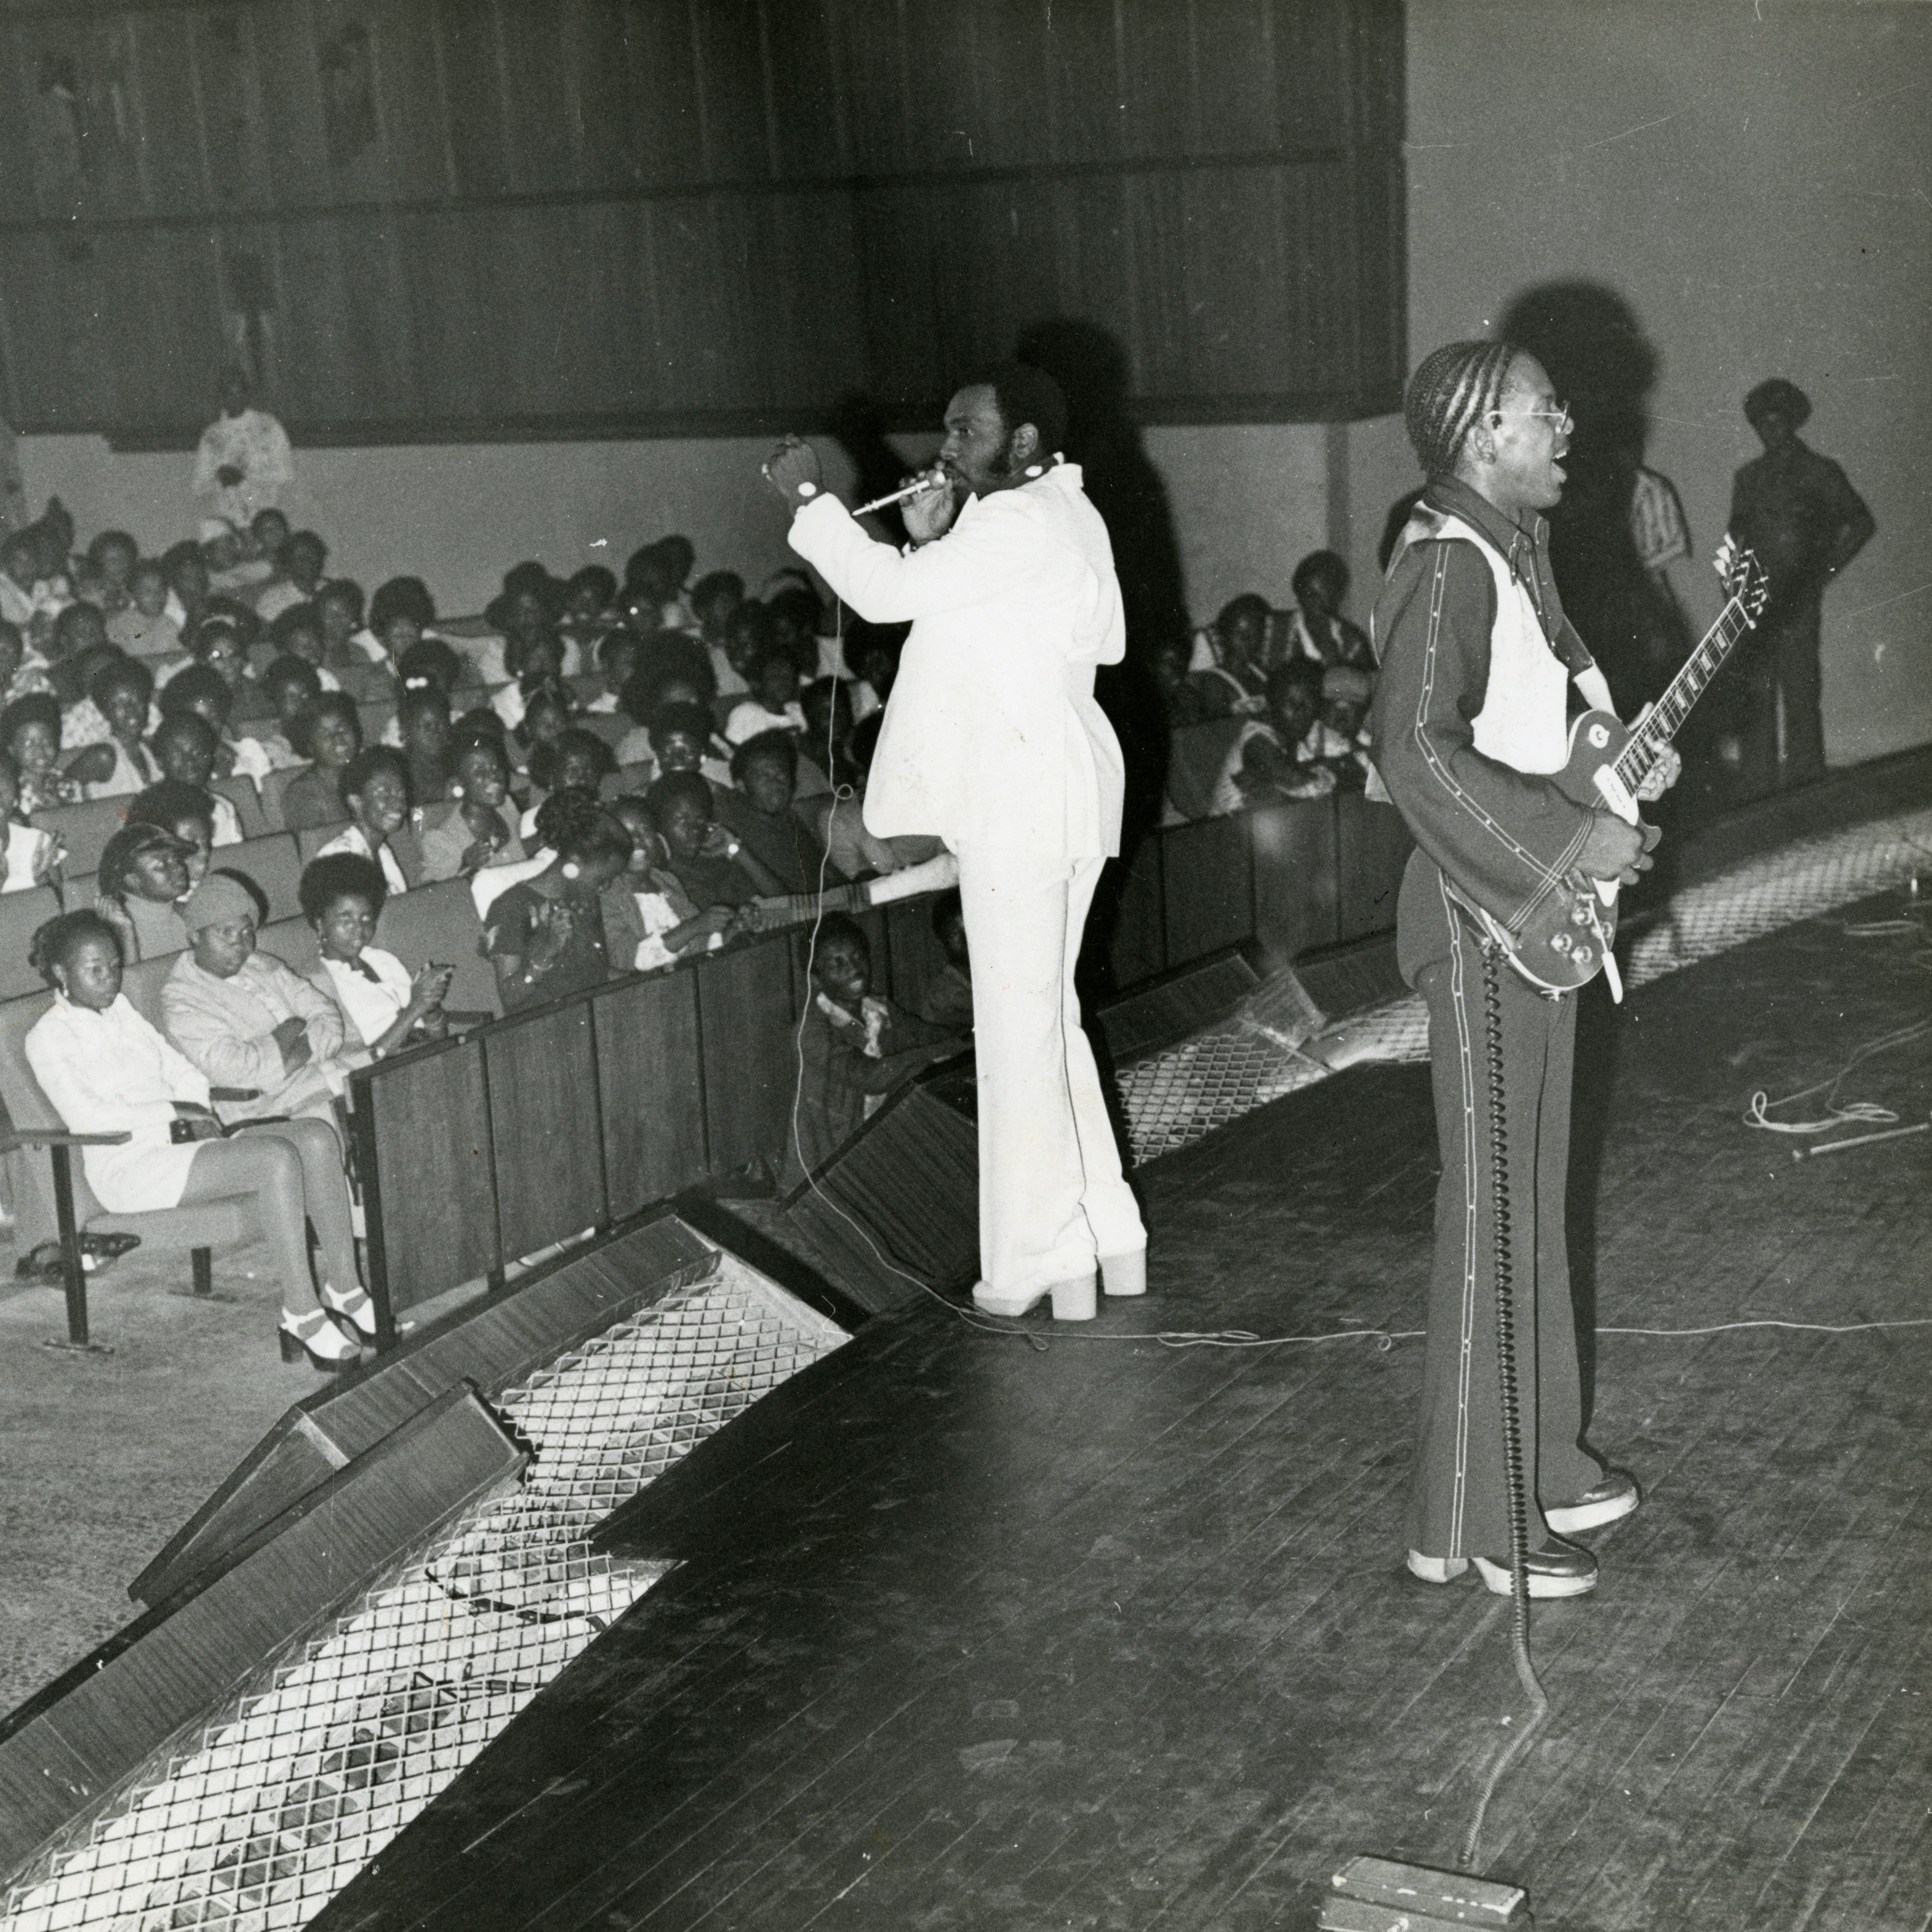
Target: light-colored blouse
{"x": 371, "y": 1006}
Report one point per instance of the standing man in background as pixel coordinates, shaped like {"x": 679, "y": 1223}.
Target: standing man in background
{"x": 1798, "y": 511}
{"x": 1470, "y": 720}
{"x": 993, "y": 741}
{"x": 243, "y": 461}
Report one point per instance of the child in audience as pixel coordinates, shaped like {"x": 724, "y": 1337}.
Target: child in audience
{"x": 423, "y": 727}
{"x": 544, "y": 936}
{"x": 186, "y": 748}
{"x": 1274, "y": 757}
{"x": 773, "y": 704}
{"x": 1234, "y": 678}
{"x": 1342, "y": 737}
{"x": 30, "y": 735}
{"x": 620, "y": 654}
{"x": 112, "y": 556}
{"x": 664, "y": 923}
{"x": 332, "y": 737}
{"x": 1320, "y": 631}
{"x": 143, "y": 626}
{"x": 120, "y": 692}
{"x": 386, "y": 1007}
{"x": 472, "y": 830}
{"x": 181, "y": 811}
{"x": 29, "y": 857}
{"x": 764, "y": 772}
{"x": 714, "y": 867}
{"x": 202, "y": 689}
{"x": 855, "y": 1046}
{"x": 139, "y": 890}
{"x": 947, "y": 1003}
{"x": 374, "y": 786}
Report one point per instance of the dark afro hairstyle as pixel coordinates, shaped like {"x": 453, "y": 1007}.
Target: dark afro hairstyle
{"x": 297, "y": 618}
{"x": 343, "y": 590}
{"x": 1454, "y": 388}
{"x": 203, "y": 637}
{"x": 594, "y": 577}
{"x": 1298, "y": 674}
{"x": 55, "y": 943}
{"x": 70, "y": 619}
{"x": 1777, "y": 397}
{"x": 776, "y": 745}
{"x": 289, "y": 669}
{"x": 466, "y": 738}
{"x": 119, "y": 854}
{"x": 575, "y": 824}
{"x": 325, "y": 880}
{"x": 330, "y": 704}
{"x": 1025, "y": 394}
{"x": 196, "y": 683}
{"x": 841, "y": 926}
{"x": 167, "y": 802}
{"x": 363, "y": 766}
{"x": 121, "y": 674}
{"x": 1316, "y": 564}
{"x": 1250, "y": 603}
{"x": 675, "y": 788}
{"x": 401, "y": 597}
{"x": 38, "y": 707}
{"x": 430, "y": 661}
{"x": 178, "y": 724}
{"x": 692, "y": 720}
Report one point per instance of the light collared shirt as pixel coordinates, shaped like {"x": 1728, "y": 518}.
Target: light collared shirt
{"x": 992, "y": 736}
{"x": 372, "y": 1006}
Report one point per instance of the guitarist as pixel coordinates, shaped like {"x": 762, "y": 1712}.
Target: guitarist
{"x": 1478, "y": 664}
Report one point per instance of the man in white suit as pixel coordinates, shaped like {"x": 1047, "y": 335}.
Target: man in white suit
{"x": 992, "y": 740}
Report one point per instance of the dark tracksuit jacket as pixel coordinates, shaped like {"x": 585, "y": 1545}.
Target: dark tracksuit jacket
{"x": 1477, "y": 658}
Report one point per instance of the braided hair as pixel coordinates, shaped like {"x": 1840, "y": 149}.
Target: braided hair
{"x": 1454, "y": 389}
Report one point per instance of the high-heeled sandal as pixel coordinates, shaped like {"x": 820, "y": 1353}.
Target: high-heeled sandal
{"x": 317, "y": 1336}
{"x": 355, "y": 1305}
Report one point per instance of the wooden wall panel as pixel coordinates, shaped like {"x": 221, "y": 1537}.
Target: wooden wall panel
{"x": 651, "y": 1090}
{"x": 558, "y": 217}
{"x": 745, "y": 1017}
{"x": 550, "y": 1180}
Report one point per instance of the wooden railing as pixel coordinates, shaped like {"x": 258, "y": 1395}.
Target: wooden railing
{"x": 478, "y": 1151}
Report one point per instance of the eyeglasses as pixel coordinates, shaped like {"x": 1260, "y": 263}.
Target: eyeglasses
{"x": 1560, "y": 416}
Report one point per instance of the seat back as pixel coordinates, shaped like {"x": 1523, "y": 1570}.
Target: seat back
{"x": 311, "y": 838}
{"x": 1194, "y": 764}
{"x": 628, "y": 781}
{"x": 613, "y": 727}
{"x": 273, "y": 863}
{"x": 85, "y": 829}
{"x": 293, "y": 942}
{"x": 269, "y": 799}
{"x": 240, "y": 792}
{"x": 27, "y": 1107}
{"x": 376, "y": 718}
{"x": 439, "y": 923}
{"x": 21, "y": 915}
{"x": 143, "y": 982}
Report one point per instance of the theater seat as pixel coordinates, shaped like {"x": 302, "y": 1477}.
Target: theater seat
{"x": 21, "y": 915}
{"x": 273, "y": 786}
{"x": 628, "y": 781}
{"x": 85, "y": 829}
{"x": 224, "y": 1223}
{"x": 293, "y": 942}
{"x": 273, "y": 864}
{"x": 439, "y": 923}
{"x": 143, "y": 982}
{"x": 241, "y": 793}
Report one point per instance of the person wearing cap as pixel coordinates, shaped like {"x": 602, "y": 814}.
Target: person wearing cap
{"x": 992, "y": 740}
{"x": 246, "y": 1019}
{"x": 1798, "y": 511}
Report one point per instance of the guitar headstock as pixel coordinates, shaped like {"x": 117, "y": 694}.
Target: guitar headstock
{"x": 1744, "y": 577}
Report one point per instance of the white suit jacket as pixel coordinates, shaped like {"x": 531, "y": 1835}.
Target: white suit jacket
{"x": 991, "y": 735}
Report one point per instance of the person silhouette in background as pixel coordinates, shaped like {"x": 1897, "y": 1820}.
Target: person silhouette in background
{"x": 1796, "y": 509}
{"x": 243, "y": 461}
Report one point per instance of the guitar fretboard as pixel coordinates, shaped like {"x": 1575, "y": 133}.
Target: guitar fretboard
{"x": 1668, "y": 715}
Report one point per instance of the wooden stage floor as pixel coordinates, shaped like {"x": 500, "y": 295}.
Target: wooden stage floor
{"x": 974, "y": 1633}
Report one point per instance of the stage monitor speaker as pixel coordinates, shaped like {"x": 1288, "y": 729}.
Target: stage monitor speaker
{"x": 903, "y": 1194}
{"x": 1345, "y": 979}
{"x": 493, "y": 1344}
{"x": 1177, "y": 1004}
{"x": 70, "y": 1749}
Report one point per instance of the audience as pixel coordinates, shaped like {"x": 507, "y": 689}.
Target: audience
{"x": 471, "y": 830}
{"x": 331, "y": 736}
{"x": 714, "y": 867}
{"x": 544, "y": 936}
{"x": 386, "y": 1007}
{"x": 141, "y": 887}
{"x": 374, "y": 788}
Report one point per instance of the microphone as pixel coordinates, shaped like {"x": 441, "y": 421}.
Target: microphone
{"x": 923, "y": 482}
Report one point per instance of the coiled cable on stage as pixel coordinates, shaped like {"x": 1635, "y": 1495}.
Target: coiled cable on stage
{"x": 1518, "y": 1507}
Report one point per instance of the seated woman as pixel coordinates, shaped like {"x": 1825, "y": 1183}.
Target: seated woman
{"x": 333, "y": 737}
{"x": 201, "y": 689}
{"x": 1272, "y": 759}
{"x": 141, "y": 887}
{"x": 181, "y": 811}
{"x": 28, "y": 857}
{"x": 649, "y": 918}
{"x": 544, "y": 936}
{"x": 545, "y": 719}
{"x": 298, "y": 633}
{"x": 680, "y": 738}
{"x": 122, "y": 691}
{"x": 386, "y": 1007}
{"x": 30, "y": 734}
{"x": 1230, "y": 657}
{"x": 772, "y": 704}
{"x": 185, "y": 748}
{"x": 250, "y": 1024}
{"x": 470, "y": 829}
{"x": 534, "y": 659}
{"x": 619, "y": 654}
{"x": 291, "y": 687}
{"x": 854, "y": 1048}
{"x": 764, "y": 772}
{"x": 714, "y": 868}
{"x": 423, "y": 733}
{"x": 107, "y": 1070}
{"x": 401, "y": 612}
{"x": 375, "y": 789}
{"x": 574, "y": 758}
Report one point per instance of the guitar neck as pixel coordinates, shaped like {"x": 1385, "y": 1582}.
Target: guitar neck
{"x": 1667, "y": 716}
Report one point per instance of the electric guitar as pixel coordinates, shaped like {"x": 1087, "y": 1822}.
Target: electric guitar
{"x": 1566, "y": 941}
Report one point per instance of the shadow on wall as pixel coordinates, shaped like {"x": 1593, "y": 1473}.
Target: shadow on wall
{"x": 1091, "y": 366}
{"x": 1590, "y": 341}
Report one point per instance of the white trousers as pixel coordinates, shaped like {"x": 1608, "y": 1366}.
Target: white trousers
{"x": 1052, "y": 1198}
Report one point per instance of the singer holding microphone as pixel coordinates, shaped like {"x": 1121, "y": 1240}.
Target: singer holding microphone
{"x": 992, "y": 740}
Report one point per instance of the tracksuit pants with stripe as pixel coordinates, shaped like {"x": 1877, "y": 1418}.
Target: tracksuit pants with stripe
{"x": 1459, "y": 1504}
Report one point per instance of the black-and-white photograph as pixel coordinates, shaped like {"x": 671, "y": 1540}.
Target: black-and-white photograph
{"x": 963, "y": 965}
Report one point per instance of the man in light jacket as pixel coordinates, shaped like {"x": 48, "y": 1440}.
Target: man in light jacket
{"x": 992, "y": 740}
